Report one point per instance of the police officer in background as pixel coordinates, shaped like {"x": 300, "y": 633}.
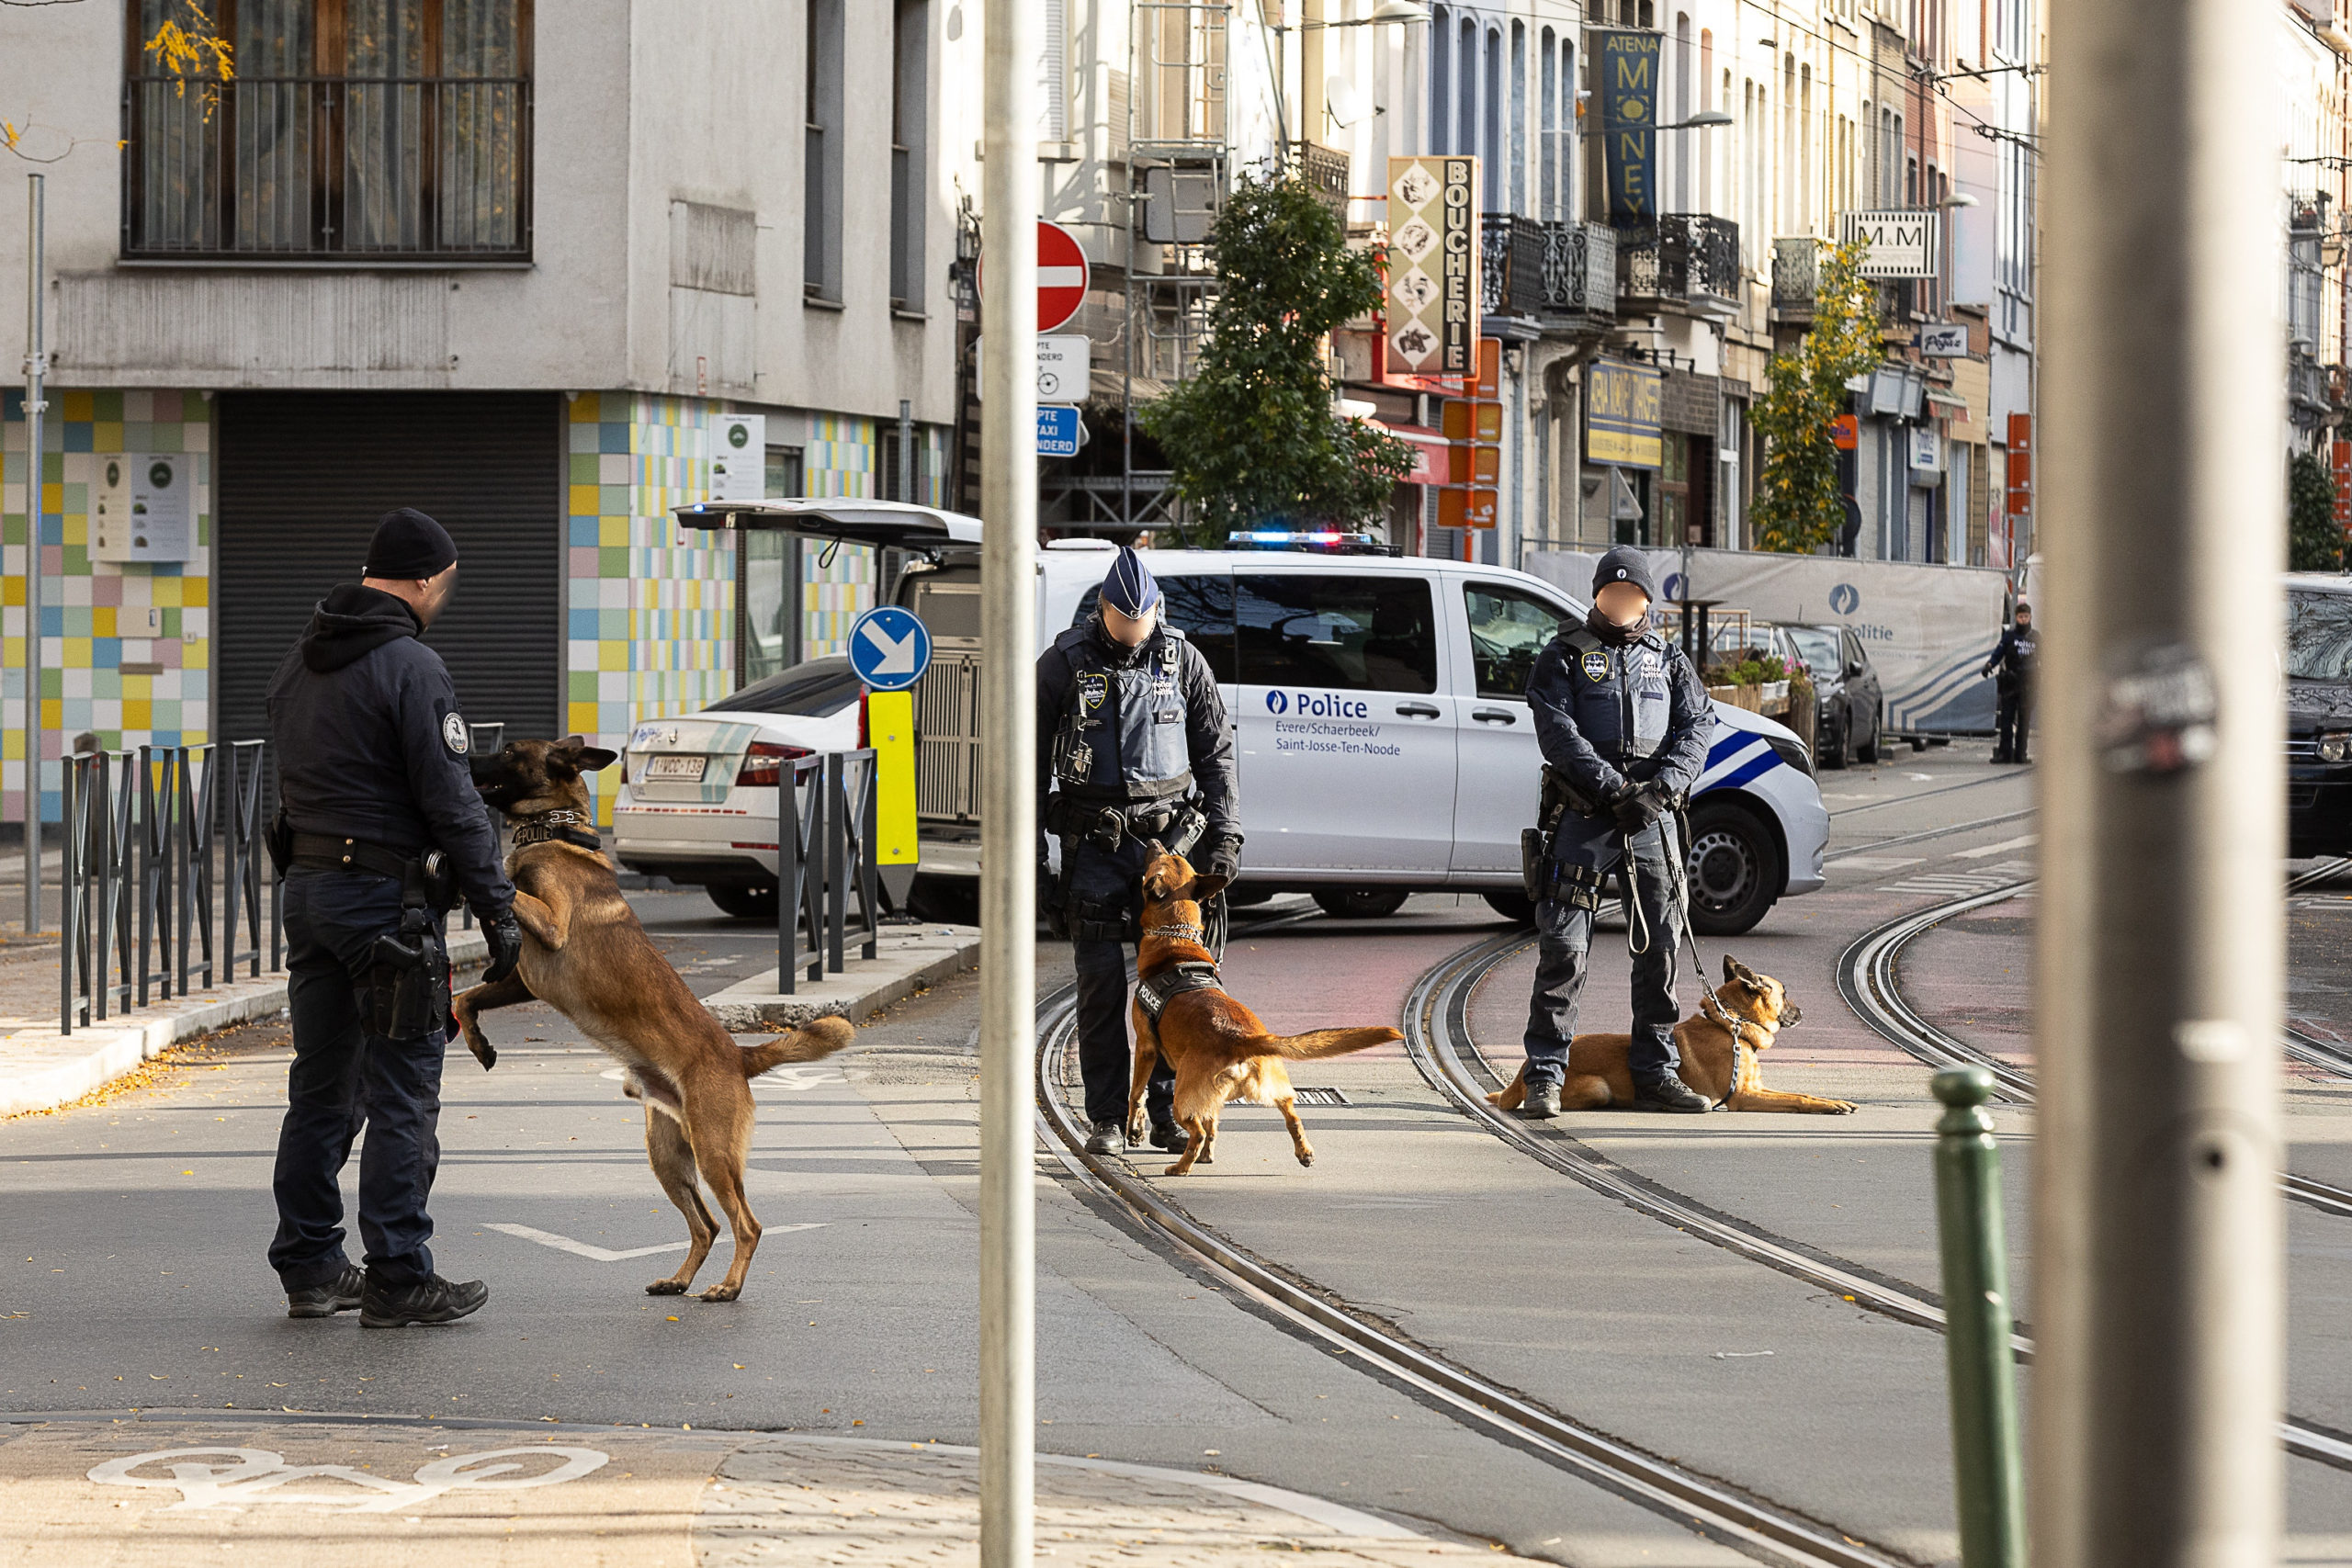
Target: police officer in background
{"x": 1133, "y": 745}
{"x": 2012, "y": 659}
{"x": 378, "y": 832}
{"x": 1623, "y": 722}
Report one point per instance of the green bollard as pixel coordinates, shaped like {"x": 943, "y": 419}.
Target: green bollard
{"x": 1977, "y": 1325}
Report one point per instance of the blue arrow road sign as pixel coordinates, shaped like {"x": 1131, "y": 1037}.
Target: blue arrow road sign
{"x": 889, "y": 648}
{"x": 1057, "y": 431}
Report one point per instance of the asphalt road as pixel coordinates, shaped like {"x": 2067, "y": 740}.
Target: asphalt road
{"x": 135, "y": 1272}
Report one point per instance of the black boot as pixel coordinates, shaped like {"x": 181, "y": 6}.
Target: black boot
{"x": 1543, "y": 1101}
{"x": 1106, "y": 1138}
{"x": 428, "y": 1301}
{"x": 1671, "y": 1094}
{"x": 338, "y": 1294}
{"x": 1168, "y": 1136}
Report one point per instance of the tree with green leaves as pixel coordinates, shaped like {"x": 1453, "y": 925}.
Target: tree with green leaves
{"x": 2313, "y": 542}
{"x": 1252, "y": 433}
{"x": 1798, "y": 505}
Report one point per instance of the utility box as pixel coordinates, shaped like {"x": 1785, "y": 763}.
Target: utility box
{"x": 143, "y": 507}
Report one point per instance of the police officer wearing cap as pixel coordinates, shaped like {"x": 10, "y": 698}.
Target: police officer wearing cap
{"x": 1624, "y": 720}
{"x": 1133, "y": 747}
{"x": 378, "y": 832}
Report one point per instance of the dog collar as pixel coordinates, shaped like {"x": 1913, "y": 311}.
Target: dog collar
{"x": 1716, "y": 1010}
{"x": 1179, "y": 929}
{"x": 559, "y": 827}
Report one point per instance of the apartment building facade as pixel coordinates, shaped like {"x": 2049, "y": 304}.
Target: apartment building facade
{"x": 517, "y": 264}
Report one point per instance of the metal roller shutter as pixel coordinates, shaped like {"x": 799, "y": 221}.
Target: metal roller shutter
{"x": 299, "y": 481}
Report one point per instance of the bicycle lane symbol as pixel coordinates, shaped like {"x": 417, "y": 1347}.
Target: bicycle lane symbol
{"x": 234, "y": 1478}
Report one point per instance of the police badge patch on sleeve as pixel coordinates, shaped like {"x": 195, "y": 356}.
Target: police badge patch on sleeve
{"x": 1596, "y": 665}
{"x": 454, "y": 735}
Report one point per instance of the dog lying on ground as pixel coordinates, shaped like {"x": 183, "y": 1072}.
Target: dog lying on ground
{"x": 1216, "y": 1047}
{"x": 1717, "y": 1060}
{"x": 586, "y": 954}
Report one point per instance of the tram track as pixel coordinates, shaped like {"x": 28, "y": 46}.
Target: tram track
{"x": 1713, "y": 1508}
{"x": 1439, "y": 1041}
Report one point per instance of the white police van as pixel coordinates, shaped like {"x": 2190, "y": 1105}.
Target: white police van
{"x": 1382, "y": 735}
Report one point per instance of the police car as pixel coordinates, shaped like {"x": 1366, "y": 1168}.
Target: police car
{"x": 1384, "y": 738}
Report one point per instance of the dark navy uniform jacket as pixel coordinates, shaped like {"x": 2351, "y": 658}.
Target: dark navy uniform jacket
{"x": 371, "y": 745}
{"x": 1610, "y": 716}
{"x": 2012, "y": 657}
{"x": 1151, "y": 715}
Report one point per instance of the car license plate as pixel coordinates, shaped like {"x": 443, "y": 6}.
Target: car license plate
{"x": 683, "y": 770}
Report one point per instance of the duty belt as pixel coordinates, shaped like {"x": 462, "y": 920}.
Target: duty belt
{"x": 326, "y": 851}
{"x": 1191, "y": 974}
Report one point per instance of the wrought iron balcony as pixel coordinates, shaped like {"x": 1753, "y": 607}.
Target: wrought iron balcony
{"x": 1510, "y": 273}
{"x": 1796, "y": 278}
{"x": 1688, "y": 259}
{"x": 1528, "y": 268}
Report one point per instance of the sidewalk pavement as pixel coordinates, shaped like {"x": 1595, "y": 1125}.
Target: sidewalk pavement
{"x": 173, "y": 1487}
{"x": 41, "y": 1068}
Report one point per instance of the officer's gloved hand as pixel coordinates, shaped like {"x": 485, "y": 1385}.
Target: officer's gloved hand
{"x": 1644, "y": 805}
{"x": 1223, "y": 862}
{"x": 504, "y": 935}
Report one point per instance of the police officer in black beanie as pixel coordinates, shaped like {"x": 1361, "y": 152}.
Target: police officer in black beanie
{"x": 379, "y": 832}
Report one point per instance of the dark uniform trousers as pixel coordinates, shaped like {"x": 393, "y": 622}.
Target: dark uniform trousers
{"x": 1103, "y": 887}
{"x": 343, "y": 1078}
{"x": 2016, "y": 719}
{"x": 1564, "y": 958}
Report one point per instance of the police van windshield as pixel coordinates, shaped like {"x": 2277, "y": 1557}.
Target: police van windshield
{"x": 2319, "y": 637}
{"x": 815, "y": 689}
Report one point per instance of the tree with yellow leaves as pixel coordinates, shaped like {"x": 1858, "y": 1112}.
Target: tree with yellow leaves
{"x": 1798, "y": 506}
{"x": 185, "y": 43}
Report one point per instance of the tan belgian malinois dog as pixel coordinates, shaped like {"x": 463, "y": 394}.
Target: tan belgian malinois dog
{"x": 1216, "y": 1047}
{"x": 1717, "y": 1044}
{"x": 586, "y": 954}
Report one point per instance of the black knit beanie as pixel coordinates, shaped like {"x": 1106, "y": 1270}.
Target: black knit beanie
{"x": 408, "y": 545}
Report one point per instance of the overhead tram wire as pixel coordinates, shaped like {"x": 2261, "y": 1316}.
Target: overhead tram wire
{"x": 1437, "y": 1036}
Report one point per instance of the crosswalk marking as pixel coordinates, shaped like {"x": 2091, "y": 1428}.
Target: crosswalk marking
{"x": 1963, "y": 884}
{"x": 605, "y": 1254}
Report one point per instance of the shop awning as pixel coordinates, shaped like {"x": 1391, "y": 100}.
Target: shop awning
{"x": 1433, "y": 452}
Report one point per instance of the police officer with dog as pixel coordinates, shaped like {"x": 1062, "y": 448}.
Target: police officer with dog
{"x": 2012, "y": 667}
{"x": 1133, "y": 747}
{"x": 379, "y": 832}
{"x": 1623, "y": 721}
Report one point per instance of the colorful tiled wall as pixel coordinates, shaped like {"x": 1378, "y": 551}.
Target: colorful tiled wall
{"x": 104, "y": 673}
{"x": 651, "y": 625}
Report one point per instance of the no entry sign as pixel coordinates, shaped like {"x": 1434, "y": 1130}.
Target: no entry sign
{"x": 1061, "y": 276}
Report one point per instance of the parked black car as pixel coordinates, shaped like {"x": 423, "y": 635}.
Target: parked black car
{"x": 1849, "y": 711}
{"x": 2319, "y": 715}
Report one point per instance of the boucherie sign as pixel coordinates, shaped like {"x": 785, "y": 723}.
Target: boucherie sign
{"x": 1897, "y": 242}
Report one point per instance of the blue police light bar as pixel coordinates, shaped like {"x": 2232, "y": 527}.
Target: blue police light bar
{"x": 1306, "y": 539}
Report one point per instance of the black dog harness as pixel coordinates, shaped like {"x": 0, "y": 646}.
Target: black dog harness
{"x": 557, "y": 826}
{"x": 1191, "y": 974}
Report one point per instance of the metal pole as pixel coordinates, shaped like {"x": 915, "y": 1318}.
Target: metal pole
{"x": 2158, "y": 1228}
{"x": 1979, "y": 1362}
{"x": 906, "y": 450}
{"x": 1008, "y": 809}
{"x": 36, "y": 405}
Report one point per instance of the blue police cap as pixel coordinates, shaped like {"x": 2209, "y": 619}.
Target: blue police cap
{"x": 1130, "y": 589}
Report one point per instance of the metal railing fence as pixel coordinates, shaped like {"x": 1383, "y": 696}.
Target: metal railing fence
{"x": 150, "y": 836}
{"x": 825, "y": 837}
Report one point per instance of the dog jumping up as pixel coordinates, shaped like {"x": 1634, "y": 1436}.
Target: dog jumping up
{"x": 1216, "y": 1047}
{"x": 1718, "y": 1047}
{"x": 586, "y": 954}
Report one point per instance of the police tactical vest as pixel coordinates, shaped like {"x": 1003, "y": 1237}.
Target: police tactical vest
{"x": 1123, "y": 737}
{"x": 1620, "y": 697}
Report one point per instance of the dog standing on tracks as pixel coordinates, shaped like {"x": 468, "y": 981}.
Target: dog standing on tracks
{"x": 1717, "y": 1045}
{"x": 1216, "y": 1047}
{"x": 586, "y": 954}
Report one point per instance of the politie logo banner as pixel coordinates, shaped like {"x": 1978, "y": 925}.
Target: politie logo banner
{"x": 1433, "y": 266}
{"x": 1629, "y": 63}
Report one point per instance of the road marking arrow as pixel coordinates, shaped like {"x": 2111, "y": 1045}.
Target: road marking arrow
{"x": 605, "y": 1255}
{"x": 897, "y": 653}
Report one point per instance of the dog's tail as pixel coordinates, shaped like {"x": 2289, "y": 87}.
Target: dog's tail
{"x": 1324, "y": 1043}
{"x": 812, "y": 1041}
{"x": 1512, "y": 1094}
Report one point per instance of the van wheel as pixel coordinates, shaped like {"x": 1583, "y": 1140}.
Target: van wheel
{"x": 1734, "y": 870}
{"x": 1516, "y": 907}
{"x": 1360, "y": 903}
{"x": 753, "y": 903}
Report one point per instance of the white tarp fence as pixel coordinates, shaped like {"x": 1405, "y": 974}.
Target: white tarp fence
{"x": 1929, "y": 629}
